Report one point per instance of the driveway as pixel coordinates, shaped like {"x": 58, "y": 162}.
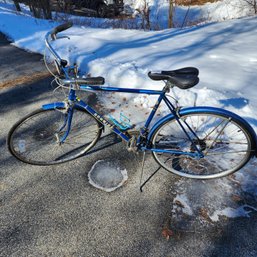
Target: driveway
{"x": 54, "y": 211}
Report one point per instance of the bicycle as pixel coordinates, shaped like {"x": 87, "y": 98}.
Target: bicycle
{"x": 194, "y": 142}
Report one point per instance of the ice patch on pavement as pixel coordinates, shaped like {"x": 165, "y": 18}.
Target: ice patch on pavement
{"x": 247, "y": 178}
{"x": 181, "y": 201}
{"x": 107, "y": 176}
{"x": 233, "y": 213}
{"x": 208, "y": 201}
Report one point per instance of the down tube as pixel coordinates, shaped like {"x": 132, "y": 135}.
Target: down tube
{"x": 101, "y": 119}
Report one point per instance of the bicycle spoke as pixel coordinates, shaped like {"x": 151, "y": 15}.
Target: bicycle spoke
{"x": 214, "y": 129}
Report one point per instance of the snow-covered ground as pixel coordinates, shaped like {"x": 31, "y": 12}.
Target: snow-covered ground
{"x": 225, "y": 53}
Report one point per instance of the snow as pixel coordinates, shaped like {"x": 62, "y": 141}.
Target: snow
{"x": 224, "y": 52}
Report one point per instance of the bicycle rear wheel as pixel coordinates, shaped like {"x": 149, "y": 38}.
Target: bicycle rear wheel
{"x": 35, "y": 138}
{"x": 226, "y": 143}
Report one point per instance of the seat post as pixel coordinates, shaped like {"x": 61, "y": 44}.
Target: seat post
{"x": 167, "y": 87}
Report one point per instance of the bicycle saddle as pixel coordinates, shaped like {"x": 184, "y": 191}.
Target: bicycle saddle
{"x": 183, "y": 78}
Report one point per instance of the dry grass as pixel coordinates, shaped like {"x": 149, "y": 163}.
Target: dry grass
{"x": 24, "y": 79}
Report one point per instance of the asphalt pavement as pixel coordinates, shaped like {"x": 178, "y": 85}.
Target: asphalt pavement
{"x": 54, "y": 211}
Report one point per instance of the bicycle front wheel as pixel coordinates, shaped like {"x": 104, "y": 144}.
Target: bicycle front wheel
{"x": 35, "y": 139}
{"x": 225, "y": 142}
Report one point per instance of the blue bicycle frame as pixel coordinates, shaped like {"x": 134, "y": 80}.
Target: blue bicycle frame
{"x": 143, "y": 141}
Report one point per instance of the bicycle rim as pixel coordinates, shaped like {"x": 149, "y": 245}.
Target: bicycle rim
{"x": 35, "y": 139}
{"x": 226, "y": 145}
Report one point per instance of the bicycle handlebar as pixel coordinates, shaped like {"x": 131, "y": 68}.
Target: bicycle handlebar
{"x": 78, "y": 81}
{"x": 53, "y": 34}
{"x": 60, "y": 28}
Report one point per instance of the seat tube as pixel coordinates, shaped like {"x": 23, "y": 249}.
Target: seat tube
{"x": 155, "y": 108}
{"x": 72, "y": 95}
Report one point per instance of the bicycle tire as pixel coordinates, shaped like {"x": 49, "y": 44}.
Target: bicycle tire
{"x": 34, "y": 138}
{"x": 222, "y": 147}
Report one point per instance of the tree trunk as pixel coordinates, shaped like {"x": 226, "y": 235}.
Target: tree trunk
{"x": 46, "y": 7}
{"x": 17, "y": 6}
{"x": 40, "y": 8}
{"x": 170, "y": 22}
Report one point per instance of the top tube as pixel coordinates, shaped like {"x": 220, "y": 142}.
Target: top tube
{"x": 122, "y": 90}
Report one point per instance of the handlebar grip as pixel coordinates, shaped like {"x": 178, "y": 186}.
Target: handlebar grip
{"x": 60, "y": 28}
{"x": 86, "y": 81}
{"x": 92, "y": 81}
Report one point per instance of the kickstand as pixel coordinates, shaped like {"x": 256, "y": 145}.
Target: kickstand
{"x": 142, "y": 172}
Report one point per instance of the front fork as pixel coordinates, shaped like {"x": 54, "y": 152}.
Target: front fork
{"x": 68, "y": 109}
{"x": 67, "y": 125}
{"x": 72, "y": 98}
